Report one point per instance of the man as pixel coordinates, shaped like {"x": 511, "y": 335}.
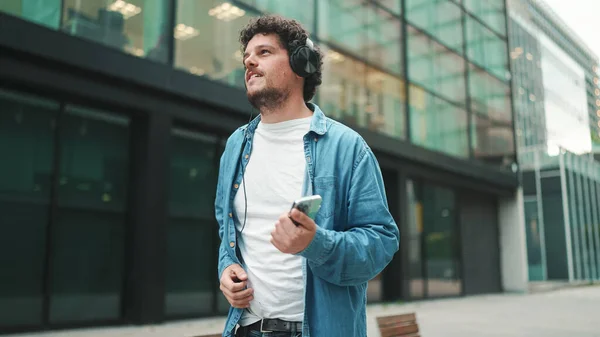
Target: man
{"x": 308, "y": 279}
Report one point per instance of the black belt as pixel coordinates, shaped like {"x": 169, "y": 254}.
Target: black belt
{"x": 274, "y": 325}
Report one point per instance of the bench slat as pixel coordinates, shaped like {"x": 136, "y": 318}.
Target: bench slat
{"x": 405, "y": 318}
{"x": 401, "y": 330}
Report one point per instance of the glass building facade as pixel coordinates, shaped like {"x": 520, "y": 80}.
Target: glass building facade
{"x": 114, "y": 141}
{"x": 556, "y": 128}
{"x": 562, "y": 207}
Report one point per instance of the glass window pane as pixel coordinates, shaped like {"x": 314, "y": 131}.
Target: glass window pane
{"x": 394, "y": 5}
{"x": 435, "y": 67}
{"x": 359, "y": 95}
{"x": 302, "y": 11}
{"x": 26, "y": 145}
{"x": 88, "y": 238}
{"x": 436, "y": 124}
{"x": 43, "y": 12}
{"x": 137, "y": 27}
{"x": 415, "y": 239}
{"x": 489, "y": 96}
{"x": 489, "y": 11}
{"x": 492, "y": 141}
{"x": 363, "y": 30}
{"x": 534, "y": 240}
{"x": 382, "y": 46}
{"x": 208, "y": 42}
{"x": 440, "y": 242}
{"x": 441, "y": 19}
{"x": 486, "y": 49}
{"x": 192, "y": 241}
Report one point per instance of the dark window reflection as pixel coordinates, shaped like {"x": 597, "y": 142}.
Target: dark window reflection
{"x": 27, "y": 148}
{"x": 88, "y": 237}
{"x": 433, "y": 241}
{"x": 192, "y": 231}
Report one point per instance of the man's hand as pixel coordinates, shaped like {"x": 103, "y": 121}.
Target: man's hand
{"x": 292, "y": 239}
{"x": 233, "y": 284}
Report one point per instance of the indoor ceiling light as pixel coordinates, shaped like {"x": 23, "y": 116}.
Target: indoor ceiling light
{"x": 197, "y": 71}
{"x": 128, "y": 10}
{"x": 183, "y": 32}
{"x": 226, "y": 12}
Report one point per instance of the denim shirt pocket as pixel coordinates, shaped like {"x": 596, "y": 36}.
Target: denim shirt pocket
{"x": 326, "y": 188}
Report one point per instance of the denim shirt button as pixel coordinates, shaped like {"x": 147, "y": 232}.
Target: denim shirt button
{"x": 232, "y": 244}
{"x": 308, "y": 159}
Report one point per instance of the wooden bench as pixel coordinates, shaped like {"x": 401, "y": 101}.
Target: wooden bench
{"x": 398, "y": 325}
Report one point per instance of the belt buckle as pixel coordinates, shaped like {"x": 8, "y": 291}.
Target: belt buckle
{"x": 262, "y": 322}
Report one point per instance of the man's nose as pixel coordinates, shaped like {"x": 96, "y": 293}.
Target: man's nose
{"x": 250, "y": 62}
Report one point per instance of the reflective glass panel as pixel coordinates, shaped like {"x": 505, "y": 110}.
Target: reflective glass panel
{"x": 493, "y": 141}
{"x": 435, "y": 265}
{"x": 441, "y": 19}
{"x": 137, "y": 27}
{"x": 192, "y": 241}
{"x": 486, "y": 49}
{"x": 207, "y": 40}
{"x": 436, "y": 124}
{"x": 489, "y": 11}
{"x": 415, "y": 238}
{"x": 89, "y": 232}
{"x": 440, "y": 242}
{"x": 27, "y": 126}
{"x": 394, "y": 5}
{"x": 435, "y": 67}
{"x": 43, "y": 12}
{"x": 302, "y": 11}
{"x": 359, "y": 95}
{"x": 361, "y": 29}
{"x": 489, "y": 96}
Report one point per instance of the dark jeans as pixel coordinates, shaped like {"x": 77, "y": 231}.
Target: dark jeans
{"x": 240, "y": 333}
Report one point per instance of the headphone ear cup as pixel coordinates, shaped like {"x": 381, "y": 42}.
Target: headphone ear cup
{"x": 304, "y": 61}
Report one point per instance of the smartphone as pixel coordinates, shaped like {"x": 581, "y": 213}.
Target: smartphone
{"x": 309, "y": 205}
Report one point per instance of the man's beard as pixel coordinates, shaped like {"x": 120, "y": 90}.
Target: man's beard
{"x": 268, "y": 99}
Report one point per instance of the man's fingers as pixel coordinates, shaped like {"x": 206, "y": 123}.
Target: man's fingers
{"x": 242, "y": 303}
{"x": 240, "y": 299}
{"x": 237, "y": 295}
{"x": 302, "y": 219}
{"x": 287, "y": 225}
{"x": 237, "y": 272}
{"x": 237, "y": 286}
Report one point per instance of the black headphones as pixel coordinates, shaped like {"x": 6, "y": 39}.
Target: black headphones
{"x": 304, "y": 60}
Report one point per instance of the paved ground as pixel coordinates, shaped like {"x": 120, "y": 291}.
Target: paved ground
{"x": 573, "y": 312}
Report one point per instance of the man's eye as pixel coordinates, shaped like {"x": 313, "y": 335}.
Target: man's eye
{"x": 264, "y": 51}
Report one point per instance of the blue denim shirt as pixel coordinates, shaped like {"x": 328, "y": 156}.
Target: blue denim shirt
{"x": 356, "y": 235}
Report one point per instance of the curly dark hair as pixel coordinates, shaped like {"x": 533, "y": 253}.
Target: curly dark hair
{"x": 291, "y": 35}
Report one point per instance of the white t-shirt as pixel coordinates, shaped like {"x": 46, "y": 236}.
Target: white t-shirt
{"x": 273, "y": 178}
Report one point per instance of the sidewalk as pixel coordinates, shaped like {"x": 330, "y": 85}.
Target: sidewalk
{"x": 573, "y": 312}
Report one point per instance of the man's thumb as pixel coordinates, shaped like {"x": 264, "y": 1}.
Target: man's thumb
{"x": 239, "y": 272}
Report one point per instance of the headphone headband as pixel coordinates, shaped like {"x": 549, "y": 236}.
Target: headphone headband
{"x": 310, "y": 44}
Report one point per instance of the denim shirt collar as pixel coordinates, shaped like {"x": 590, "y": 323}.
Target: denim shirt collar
{"x": 318, "y": 123}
